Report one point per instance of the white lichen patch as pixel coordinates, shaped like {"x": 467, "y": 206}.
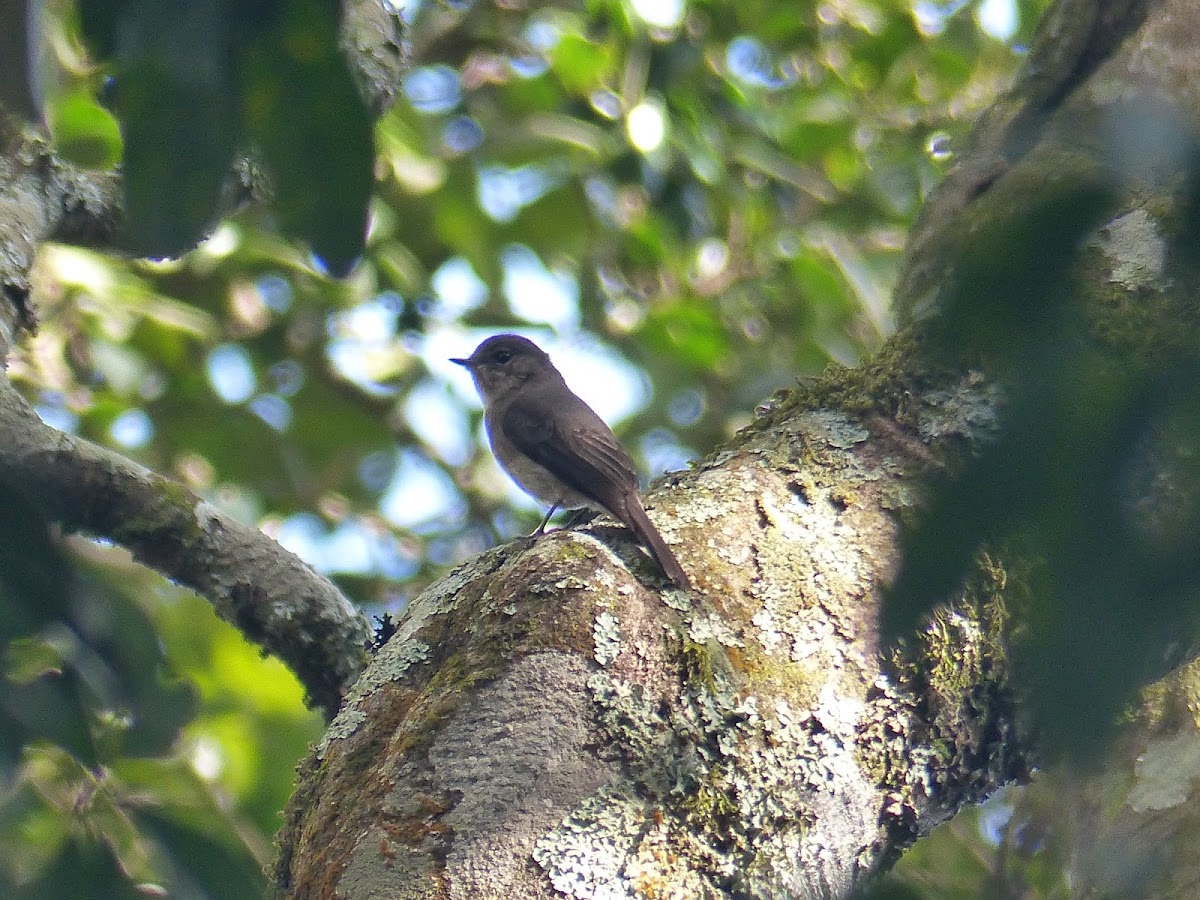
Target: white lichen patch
{"x": 839, "y": 714}
{"x": 728, "y": 790}
{"x": 658, "y": 867}
{"x": 838, "y": 429}
{"x": 606, "y": 637}
{"x": 768, "y": 634}
{"x": 396, "y": 658}
{"x": 797, "y": 520}
{"x": 607, "y": 580}
{"x": 678, "y": 600}
{"x": 703, "y": 504}
{"x": 344, "y": 724}
{"x": 814, "y": 537}
{"x": 734, "y": 552}
{"x": 571, "y": 582}
{"x": 585, "y": 855}
{"x": 1166, "y": 773}
{"x": 712, "y": 627}
{"x": 811, "y": 630}
{"x": 623, "y": 709}
{"x": 971, "y": 410}
{"x": 1135, "y": 250}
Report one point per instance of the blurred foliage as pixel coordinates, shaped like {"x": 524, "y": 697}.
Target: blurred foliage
{"x": 754, "y": 244}
{"x": 199, "y": 80}
{"x": 1095, "y": 472}
{"x": 712, "y": 196}
{"x": 1014, "y": 845}
{"x": 138, "y": 735}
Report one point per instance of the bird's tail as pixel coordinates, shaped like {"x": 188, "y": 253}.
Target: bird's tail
{"x": 639, "y": 523}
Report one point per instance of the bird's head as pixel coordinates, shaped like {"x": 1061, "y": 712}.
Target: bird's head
{"x": 503, "y": 363}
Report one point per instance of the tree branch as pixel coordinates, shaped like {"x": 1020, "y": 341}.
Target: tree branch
{"x": 371, "y": 37}
{"x": 548, "y": 701}
{"x": 268, "y": 593}
{"x": 545, "y": 722}
{"x": 43, "y": 198}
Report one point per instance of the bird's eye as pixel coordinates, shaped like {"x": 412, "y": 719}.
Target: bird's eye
{"x": 503, "y": 356}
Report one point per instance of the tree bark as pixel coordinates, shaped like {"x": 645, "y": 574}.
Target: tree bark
{"x": 549, "y": 721}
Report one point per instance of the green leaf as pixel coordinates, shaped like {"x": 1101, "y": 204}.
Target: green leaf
{"x": 304, "y": 110}
{"x": 691, "y": 331}
{"x": 26, "y": 659}
{"x": 176, "y": 97}
{"x": 84, "y": 131}
{"x": 1011, "y": 304}
{"x": 98, "y": 22}
{"x": 581, "y": 65}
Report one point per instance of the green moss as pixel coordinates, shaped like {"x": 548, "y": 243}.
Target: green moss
{"x": 710, "y": 808}
{"x": 137, "y": 521}
{"x": 460, "y": 672}
{"x": 573, "y": 551}
{"x": 953, "y": 705}
{"x": 1171, "y": 703}
{"x": 699, "y": 670}
{"x": 882, "y": 385}
{"x": 175, "y": 493}
{"x": 987, "y": 591}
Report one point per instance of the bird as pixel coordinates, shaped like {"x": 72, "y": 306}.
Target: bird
{"x": 555, "y": 446}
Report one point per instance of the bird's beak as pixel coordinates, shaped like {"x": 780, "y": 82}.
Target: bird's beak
{"x": 461, "y": 362}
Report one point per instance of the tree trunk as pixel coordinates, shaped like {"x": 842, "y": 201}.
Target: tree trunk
{"x": 550, "y": 721}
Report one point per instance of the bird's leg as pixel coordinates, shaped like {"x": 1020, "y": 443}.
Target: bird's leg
{"x": 541, "y": 529}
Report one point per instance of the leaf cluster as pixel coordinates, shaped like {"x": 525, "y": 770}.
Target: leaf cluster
{"x": 205, "y": 81}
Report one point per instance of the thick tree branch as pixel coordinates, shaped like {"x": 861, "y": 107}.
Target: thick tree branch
{"x": 549, "y": 702}
{"x": 372, "y": 39}
{"x": 546, "y": 722}
{"x": 253, "y": 583}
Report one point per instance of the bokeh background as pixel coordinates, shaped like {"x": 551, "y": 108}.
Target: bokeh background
{"x": 690, "y": 204}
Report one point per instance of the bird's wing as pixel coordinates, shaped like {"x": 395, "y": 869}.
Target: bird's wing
{"x": 584, "y": 453}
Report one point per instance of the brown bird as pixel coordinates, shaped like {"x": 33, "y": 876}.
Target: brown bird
{"x": 554, "y": 445}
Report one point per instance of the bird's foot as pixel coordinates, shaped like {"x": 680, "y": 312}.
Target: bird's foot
{"x": 541, "y": 529}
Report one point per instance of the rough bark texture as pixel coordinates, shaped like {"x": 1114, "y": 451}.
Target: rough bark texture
{"x": 550, "y": 722}
{"x": 373, "y": 42}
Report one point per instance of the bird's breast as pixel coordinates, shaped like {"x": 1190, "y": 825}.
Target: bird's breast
{"x": 533, "y": 478}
